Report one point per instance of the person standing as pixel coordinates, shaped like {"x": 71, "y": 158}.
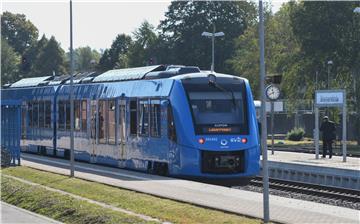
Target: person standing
{"x": 328, "y": 135}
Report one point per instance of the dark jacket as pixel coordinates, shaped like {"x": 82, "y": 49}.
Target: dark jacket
{"x": 328, "y": 130}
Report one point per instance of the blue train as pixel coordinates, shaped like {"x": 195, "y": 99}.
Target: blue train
{"x": 169, "y": 120}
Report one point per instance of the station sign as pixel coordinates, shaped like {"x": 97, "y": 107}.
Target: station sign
{"x": 278, "y": 106}
{"x": 329, "y": 98}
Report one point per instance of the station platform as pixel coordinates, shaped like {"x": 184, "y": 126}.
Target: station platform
{"x": 282, "y": 210}
{"x": 303, "y": 167}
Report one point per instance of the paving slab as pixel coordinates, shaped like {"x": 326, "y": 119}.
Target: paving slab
{"x": 13, "y": 214}
{"x": 283, "y": 210}
{"x": 352, "y": 163}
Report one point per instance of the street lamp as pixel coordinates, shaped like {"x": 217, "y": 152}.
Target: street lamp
{"x": 72, "y": 166}
{"x": 213, "y": 35}
{"x": 330, "y": 63}
{"x": 265, "y": 170}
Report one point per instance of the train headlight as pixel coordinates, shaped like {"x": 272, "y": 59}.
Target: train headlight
{"x": 201, "y": 140}
{"x": 244, "y": 140}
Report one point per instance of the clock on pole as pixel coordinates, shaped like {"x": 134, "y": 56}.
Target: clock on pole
{"x": 272, "y": 92}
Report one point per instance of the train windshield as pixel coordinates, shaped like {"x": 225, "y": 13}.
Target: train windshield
{"x": 218, "y": 109}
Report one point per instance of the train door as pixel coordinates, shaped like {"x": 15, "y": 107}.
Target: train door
{"x": 93, "y": 129}
{"x": 122, "y": 129}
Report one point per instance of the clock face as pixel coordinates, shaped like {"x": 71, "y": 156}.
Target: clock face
{"x": 273, "y": 92}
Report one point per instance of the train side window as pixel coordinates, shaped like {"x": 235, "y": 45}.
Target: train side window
{"x": 84, "y": 115}
{"x": 144, "y": 118}
{"x": 112, "y": 121}
{"x": 23, "y": 122}
{"x": 102, "y": 121}
{"x": 67, "y": 113}
{"x": 48, "y": 114}
{"x": 36, "y": 114}
{"x": 77, "y": 115}
{"x": 133, "y": 117}
{"x": 61, "y": 121}
{"x": 41, "y": 114}
{"x": 155, "y": 121}
{"x": 30, "y": 111}
{"x": 171, "y": 124}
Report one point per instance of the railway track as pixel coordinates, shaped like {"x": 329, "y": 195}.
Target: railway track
{"x": 345, "y": 195}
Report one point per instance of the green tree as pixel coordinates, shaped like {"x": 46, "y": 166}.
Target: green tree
{"x": 29, "y": 56}
{"x": 10, "y": 62}
{"x": 186, "y": 20}
{"x": 50, "y": 59}
{"x": 280, "y": 48}
{"x": 330, "y": 31}
{"x": 144, "y": 46}
{"x": 110, "y": 57}
{"x": 19, "y": 32}
{"x": 86, "y": 59}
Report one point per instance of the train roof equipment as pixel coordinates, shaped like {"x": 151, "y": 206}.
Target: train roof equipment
{"x": 116, "y": 75}
{"x": 127, "y": 74}
{"x": 30, "y": 82}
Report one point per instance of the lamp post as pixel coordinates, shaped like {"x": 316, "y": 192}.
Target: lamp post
{"x": 213, "y": 35}
{"x": 356, "y": 11}
{"x": 263, "y": 117}
{"x": 71, "y": 96}
{"x": 329, "y": 63}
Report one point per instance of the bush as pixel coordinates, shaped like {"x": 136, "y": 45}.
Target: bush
{"x": 295, "y": 134}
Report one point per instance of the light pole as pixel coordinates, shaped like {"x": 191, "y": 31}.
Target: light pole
{"x": 71, "y": 97}
{"x": 356, "y": 11}
{"x": 329, "y": 63}
{"x": 213, "y": 35}
{"x": 263, "y": 116}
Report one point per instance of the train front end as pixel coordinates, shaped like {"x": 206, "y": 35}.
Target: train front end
{"x": 217, "y": 131}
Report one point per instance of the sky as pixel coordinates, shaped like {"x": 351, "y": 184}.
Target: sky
{"x": 95, "y": 23}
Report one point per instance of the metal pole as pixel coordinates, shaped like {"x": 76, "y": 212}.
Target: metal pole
{"x": 71, "y": 97}
{"x": 213, "y": 49}
{"x": 316, "y": 80}
{"x": 316, "y": 133}
{"x": 328, "y": 76}
{"x": 272, "y": 127}
{"x": 263, "y": 117}
{"x": 344, "y": 129}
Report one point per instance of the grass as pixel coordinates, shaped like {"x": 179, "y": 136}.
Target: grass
{"x": 162, "y": 209}
{"x": 57, "y": 206}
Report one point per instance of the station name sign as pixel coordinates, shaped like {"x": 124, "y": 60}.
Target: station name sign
{"x": 329, "y": 98}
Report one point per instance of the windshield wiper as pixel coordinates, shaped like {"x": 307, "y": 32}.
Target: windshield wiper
{"x": 217, "y": 86}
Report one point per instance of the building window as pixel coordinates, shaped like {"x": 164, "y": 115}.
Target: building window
{"x": 84, "y": 116}
{"x": 155, "y": 118}
{"x": 61, "y": 121}
{"x": 144, "y": 117}
{"x": 77, "y": 115}
{"x": 102, "y": 121}
{"x": 133, "y": 117}
{"x": 112, "y": 121}
{"x": 47, "y": 114}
